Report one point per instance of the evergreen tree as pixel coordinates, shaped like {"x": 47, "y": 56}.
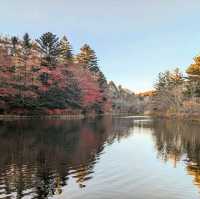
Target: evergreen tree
{"x": 49, "y": 46}
{"x": 26, "y": 51}
{"x": 102, "y": 81}
{"x": 26, "y": 44}
{"x": 65, "y": 49}
{"x": 169, "y": 80}
{"x": 14, "y": 41}
{"x": 88, "y": 58}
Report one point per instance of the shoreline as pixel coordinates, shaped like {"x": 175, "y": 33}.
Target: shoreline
{"x": 21, "y": 117}
{"x": 81, "y": 116}
{"x": 62, "y": 117}
{"x": 182, "y": 117}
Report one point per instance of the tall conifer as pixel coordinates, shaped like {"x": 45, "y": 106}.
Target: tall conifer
{"x": 65, "y": 49}
{"x": 49, "y": 46}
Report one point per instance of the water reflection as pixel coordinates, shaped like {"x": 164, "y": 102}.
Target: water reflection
{"x": 179, "y": 141}
{"x": 38, "y": 157}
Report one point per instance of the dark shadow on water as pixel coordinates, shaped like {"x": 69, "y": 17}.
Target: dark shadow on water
{"x": 37, "y": 157}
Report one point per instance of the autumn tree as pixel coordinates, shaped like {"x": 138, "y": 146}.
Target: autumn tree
{"x": 194, "y": 69}
{"x": 193, "y": 84}
{"x": 168, "y": 80}
{"x": 65, "y": 50}
{"x": 88, "y": 58}
{"x": 56, "y": 90}
{"x": 24, "y": 54}
{"x": 169, "y": 91}
{"x": 57, "y": 96}
{"x": 49, "y": 46}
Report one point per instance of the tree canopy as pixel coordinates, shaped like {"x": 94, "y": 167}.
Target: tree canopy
{"x": 49, "y": 46}
{"x": 66, "y": 50}
{"x": 88, "y": 58}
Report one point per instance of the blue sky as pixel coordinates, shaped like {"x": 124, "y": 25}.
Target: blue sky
{"x": 134, "y": 39}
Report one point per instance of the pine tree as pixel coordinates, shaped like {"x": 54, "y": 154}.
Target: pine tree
{"x": 88, "y": 58}
{"x": 49, "y": 46}
{"x": 26, "y": 44}
{"x": 102, "y": 81}
{"x": 65, "y": 50}
{"x": 169, "y": 80}
{"x": 14, "y": 41}
{"x": 26, "y": 51}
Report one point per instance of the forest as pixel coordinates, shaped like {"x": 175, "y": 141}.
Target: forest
{"x": 177, "y": 94}
{"x": 44, "y": 76}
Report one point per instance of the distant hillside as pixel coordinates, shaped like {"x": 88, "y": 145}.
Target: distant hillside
{"x": 124, "y": 100}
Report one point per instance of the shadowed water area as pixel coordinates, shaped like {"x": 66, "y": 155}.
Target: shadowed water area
{"x": 107, "y": 158}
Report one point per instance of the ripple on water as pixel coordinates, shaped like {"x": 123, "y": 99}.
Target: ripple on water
{"x": 103, "y": 159}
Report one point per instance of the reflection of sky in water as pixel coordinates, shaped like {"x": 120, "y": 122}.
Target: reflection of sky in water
{"x": 107, "y": 158}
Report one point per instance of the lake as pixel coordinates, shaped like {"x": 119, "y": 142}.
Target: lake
{"x": 105, "y": 158}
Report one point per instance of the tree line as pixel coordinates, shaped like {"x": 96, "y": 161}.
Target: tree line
{"x": 38, "y": 76}
{"x": 178, "y": 94}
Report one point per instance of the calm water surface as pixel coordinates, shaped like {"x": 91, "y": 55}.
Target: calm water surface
{"x": 107, "y": 158}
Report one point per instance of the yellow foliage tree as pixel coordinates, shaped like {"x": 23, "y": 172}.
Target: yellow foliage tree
{"x": 194, "y": 69}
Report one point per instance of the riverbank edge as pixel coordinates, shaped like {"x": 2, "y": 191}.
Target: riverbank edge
{"x": 19, "y": 117}
{"x": 177, "y": 116}
{"x": 82, "y": 116}
{"x": 64, "y": 117}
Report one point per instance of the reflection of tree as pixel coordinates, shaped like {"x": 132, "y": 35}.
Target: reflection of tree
{"x": 177, "y": 141}
{"x": 37, "y": 157}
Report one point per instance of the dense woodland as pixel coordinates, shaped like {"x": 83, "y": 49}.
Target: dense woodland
{"x": 177, "y": 94}
{"x": 43, "y": 76}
